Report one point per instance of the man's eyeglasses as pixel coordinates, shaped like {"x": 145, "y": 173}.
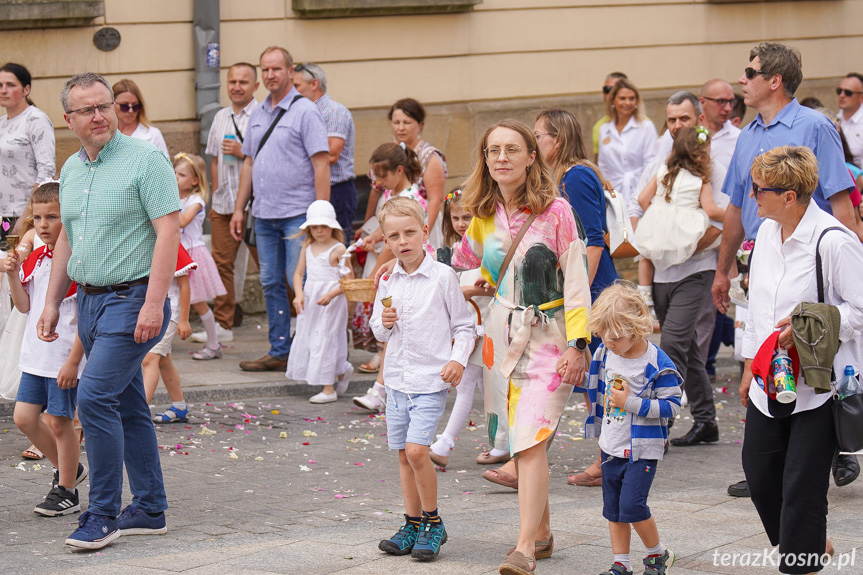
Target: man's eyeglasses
{"x": 130, "y": 107}
{"x": 304, "y": 68}
{"x": 607, "y": 89}
{"x": 722, "y": 102}
{"x": 89, "y": 111}
{"x": 848, "y": 93}
{"x": 493, "y": 152}
{"x": 756, "y": 189}
{"x": 750, "y": 73}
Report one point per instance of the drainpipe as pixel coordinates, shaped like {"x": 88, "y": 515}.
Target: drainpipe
{"x": 207, "y": 56}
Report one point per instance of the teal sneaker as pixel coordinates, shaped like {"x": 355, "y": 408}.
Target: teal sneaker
{"x": 429, "y": 540}
{"x": 659, "y": 565}
{"x": 403, "y": 541}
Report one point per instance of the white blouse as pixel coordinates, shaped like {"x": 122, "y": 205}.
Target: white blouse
{"x": 153, "y": 135}
{"x": 783, "y": 275}
{"x": 624, "y": 155}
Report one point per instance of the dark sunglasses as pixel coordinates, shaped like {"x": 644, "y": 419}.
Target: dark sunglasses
{"x": 130, "y": 107}
{"x": 607, "y": 89}
{"x": 756, "y": 189}
{"x": 848, "y": 93}
{"x": 304, "y": 68}
{"x": 750, "y": 73}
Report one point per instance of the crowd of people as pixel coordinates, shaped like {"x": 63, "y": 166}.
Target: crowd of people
{"x": 507, "y": 279}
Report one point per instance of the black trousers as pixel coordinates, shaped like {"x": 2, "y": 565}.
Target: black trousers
{"x": 787, "y": 465}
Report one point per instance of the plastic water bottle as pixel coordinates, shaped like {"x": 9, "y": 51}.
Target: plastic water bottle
{"x": 228, "y": 159}
{"x": 849, "y": 384}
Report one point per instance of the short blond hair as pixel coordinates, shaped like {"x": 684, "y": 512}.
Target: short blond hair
{"x": 790, "y": 168}
{"x": 620, "y": 311}
{"x": 402, "y": 206}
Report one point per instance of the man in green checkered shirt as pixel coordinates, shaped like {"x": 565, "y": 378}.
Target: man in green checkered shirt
{"x": 120, "y": 210}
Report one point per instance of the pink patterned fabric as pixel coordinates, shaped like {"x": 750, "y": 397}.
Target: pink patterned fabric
{"x": 204, "y": 282}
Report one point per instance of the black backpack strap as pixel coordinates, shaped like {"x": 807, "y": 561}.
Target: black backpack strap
{"x": 273, "y": 125}
{"x": 819, "y": 276}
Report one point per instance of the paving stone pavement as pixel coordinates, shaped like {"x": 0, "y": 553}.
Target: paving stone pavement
{"x": 277, "y": 485}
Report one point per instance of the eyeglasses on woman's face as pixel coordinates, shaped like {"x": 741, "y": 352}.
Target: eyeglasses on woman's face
{"x": 511, "y": 152}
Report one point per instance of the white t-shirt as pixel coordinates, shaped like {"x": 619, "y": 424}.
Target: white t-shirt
{"x": 153, "y": 135}
{"x": 616, "y": 436}
{"x": 41, "y": 357}
{"x": 853, "y": 130}
{"x": 192, "y": 235}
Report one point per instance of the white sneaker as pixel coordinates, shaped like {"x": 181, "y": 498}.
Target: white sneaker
{"x": 372, "y": 400}
{"x": 736, "y": 293}
{"x": 344, "y": 380}
{"x": 323, "y": 398}
{"x": 223, "y": 334}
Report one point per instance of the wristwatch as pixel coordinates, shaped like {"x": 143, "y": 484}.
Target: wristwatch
{"x": 580, "y": 344}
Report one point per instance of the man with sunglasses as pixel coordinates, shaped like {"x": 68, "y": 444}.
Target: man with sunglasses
{"x": 768, "y": 84}
{"x": 610, "y": 81}
{"x": 717, "y": 99}
{"x": 310, "y": 80}
{"x": 850, "y": 116}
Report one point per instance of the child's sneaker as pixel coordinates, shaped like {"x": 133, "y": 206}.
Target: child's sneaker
{"x": 324, "y": 398}
{"x": 59, "y": 501}
{"x": 403, "y": 541}
{"x": 429, "y": 540}
{"x": 82, "y": 474}
{"x": 617, "y": 569}
{"x": 372, "y": 400}
{"x": 133, "y": 521}
{"x": 94, "y": 531}
{"x": 172, "y": 415}
{"x": 344, "y": 380}
{"x": 659, "y": 564}
{"x": 736, "y": 293}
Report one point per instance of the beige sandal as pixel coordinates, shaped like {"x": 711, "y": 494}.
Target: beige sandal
{"x": 543, "y": 549}
{"x": 32, "y": 453}
{"x": 517, "y": 564}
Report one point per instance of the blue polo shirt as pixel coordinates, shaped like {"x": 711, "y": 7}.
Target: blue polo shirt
{"x": 794, "y": 125}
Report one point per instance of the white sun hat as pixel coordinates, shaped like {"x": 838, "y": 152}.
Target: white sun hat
{"x": 321, "y": 213}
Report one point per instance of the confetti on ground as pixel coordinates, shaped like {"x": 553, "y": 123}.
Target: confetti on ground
{"x": 206, "y": 431}
{"x": 283, "y": 435}
{"x": 308, "y": 433}
{"x": 259, "y": 458}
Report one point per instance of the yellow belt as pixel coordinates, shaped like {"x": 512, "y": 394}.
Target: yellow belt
{"x": 550, "y": 304}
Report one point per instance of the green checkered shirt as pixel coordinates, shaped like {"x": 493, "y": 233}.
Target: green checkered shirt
{"x": 107, "y": 206}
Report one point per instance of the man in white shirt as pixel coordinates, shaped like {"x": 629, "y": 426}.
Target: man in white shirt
{"x": 717, "y": 100}
{"x": 850, "y": 116}
{"x": 224, "y": 145}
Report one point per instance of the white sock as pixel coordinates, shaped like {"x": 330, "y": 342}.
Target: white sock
{"x": 735, "y": 282}
{"x": 658, "y": 550}
{"x": 382, "y": 391}
{"x": 498, "y": 452}
{"x": 623, "y": 559}
{"x": 210, "y": 327}
{"x": 180, "y": 405}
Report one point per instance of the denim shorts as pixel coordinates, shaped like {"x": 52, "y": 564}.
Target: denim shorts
{"x": 625, "y": 486}
{"x": 44, "y": 391}
{"x": 413, "y": 418}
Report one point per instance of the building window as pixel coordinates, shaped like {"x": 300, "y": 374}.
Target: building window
{"x": 344, "y": 8}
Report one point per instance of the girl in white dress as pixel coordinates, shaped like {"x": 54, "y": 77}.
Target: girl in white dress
{"x": 204, "y": 282}
{"x": 320, "y": 350}
{"x": 678, "y": 203}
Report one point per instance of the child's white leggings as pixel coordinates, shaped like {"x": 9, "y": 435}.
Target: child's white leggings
{"x": 471, "y": 380}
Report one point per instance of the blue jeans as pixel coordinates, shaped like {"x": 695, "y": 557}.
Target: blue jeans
{"x": 278, "y": 256}
{"x": 112, "y": 406}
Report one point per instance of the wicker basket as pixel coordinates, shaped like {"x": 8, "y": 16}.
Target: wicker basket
{"x": 359, "y": 291}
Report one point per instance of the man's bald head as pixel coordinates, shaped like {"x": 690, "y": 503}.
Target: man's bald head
{"x": 717, "y": 98}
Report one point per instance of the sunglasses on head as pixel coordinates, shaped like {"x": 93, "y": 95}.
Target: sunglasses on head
{"x": 756, "y": 189}
{"x": 848, "y": 93}
{"x": 129, "y": 107}
{"x": 750, "y": 73}
{"x": 304, "y": 68}
{"x": 607, "y": 89}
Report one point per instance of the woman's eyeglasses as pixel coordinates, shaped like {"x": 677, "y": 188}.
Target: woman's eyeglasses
{"x": 848, "y": 93}
{"x": 493, "y": 152}
{"x": 756, "y": 189}
{"x": 130, "y": 107}
{"x": 750, "y": 73}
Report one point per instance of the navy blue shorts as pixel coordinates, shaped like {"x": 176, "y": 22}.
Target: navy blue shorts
{"x": 625, "y": 486}
{"x": 44, "y": 391}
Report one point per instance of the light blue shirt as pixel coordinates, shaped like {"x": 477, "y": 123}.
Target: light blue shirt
{"x": 794, "y": 125}
{"x": 283, "y": 178}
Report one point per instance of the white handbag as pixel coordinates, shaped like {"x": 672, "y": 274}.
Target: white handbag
{"x": 10, "y": 352}
{"x": 620, "y": 237}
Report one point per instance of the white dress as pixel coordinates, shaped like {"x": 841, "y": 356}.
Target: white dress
{"x": 669, "y": 231}
{"x": 320, "y": 346}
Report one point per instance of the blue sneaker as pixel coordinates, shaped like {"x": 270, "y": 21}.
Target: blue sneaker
{"x": 94, "y": 531}
{"x": 133, "y": 521}
{"x": 429, "y": 540}
{"x": 403, "y": 541}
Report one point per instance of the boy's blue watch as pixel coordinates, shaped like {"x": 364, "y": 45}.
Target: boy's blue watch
{"x": 580, "y": 344}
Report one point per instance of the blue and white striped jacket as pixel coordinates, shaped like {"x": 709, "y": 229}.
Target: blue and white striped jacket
{"x": 649, "y": 411}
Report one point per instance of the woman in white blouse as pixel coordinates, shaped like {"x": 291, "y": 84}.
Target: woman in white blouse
{"x": 627, "y": 143}
{"x": 131, "y": 116}
{"x": 787, "y": 457}
{"x": 26, "y": 145}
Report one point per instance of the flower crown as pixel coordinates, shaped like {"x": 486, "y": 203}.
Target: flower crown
{"x": 453, "y": 195}
{"x": 703, "y": 133}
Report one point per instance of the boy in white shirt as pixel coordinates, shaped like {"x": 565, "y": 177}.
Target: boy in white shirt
{"x": 49, "y": 371}
{"x": 430, "y": 334}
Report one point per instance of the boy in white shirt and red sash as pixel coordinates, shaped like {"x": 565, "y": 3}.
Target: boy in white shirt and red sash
{"x": 430, "y": 334}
